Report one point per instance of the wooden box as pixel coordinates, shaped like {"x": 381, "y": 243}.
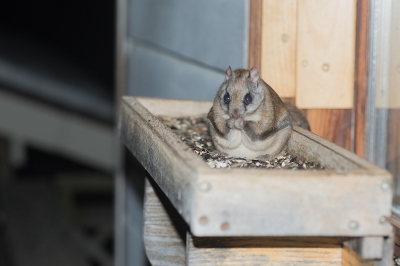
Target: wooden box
{"x": 351, "y": 200}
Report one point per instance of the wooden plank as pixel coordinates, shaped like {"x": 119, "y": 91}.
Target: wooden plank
{"x": 255, "y": 34}
{"x": 289, "y": 205}
{"x": 278, "y": 50}
{"x": 325, "y": 54}
{"x": 393, "y": 149}
{"x": 163, "y": 242}
{"x": 393, "y": 95}
{"x": 350, "y": 258}
{"x": 331, "y": 124}
{"x": 287, "y": 198}
{"x": 361, "y": 78}
{"x": 265, "y": 251}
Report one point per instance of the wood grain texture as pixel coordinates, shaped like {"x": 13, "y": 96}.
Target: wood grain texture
{"x": 163, "y": 241}
{"x": 361, "y": 78}
{"x": 325, "y": 36}
{"x": 255, "y": 33}
{"x": 278, "y": 50}
{"x": 236, "y": 252}
{"x": 350, "y": 258}
{"x": 394, "y": 59}
{"x": 393, "y": 149}
{"x": 331, "y": 124}
{"x": 287, "y": 197}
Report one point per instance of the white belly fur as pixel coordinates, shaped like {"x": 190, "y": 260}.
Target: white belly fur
{"x": 239, "y": 145}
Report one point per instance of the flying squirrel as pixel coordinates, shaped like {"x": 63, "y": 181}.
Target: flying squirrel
{"x": 248, "y": 118}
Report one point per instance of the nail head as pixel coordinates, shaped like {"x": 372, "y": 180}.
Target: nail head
{"x": 353, "y": 225}
{"x": 304, "y": 63}
{"x": 284, "y": 38}
{"x": 385, "y": 185}
{"x": 225, "y": 226}
{"x": 203, "y": 220}
{"x": 204, "y": 186}
{"x": 325, "y": 67}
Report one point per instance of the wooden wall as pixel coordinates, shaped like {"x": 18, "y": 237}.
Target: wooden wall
{"x": 313, "y": 53}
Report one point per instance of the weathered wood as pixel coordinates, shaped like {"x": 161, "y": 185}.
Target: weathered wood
{"x": 255, "y": 21}
{"x": 361, "y": 77}
{"x": 301, "y": 203}
{"x": 325, "y": 53}
{"x": 163, "y": 241}
{"x": 393, "y": 149}
{"x": 367, "y": 247}
{"x": 388, "y": 94}
{"x": 350, "y": 258}
{"x": 332, "y": 124}
{"x": 278, "y": 49}
{"x": 238, "y": 251}
{"x": 272, "y": 251}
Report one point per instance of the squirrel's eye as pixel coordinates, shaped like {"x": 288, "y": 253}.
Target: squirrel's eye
{"x": 227, "y": 98}
{"x": 247, "y": 99}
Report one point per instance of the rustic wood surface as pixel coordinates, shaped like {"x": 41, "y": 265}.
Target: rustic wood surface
{"x": 325, "y": 36}
{"x": 393, "y": 149}
{"x": 361, "y": 78}
{"x": 370, "y": 247}
{"x": 293, "y": 202}
{"x": 331, "y": 124}
{"x": 255, "y": 21}
{"x": 350, "y": 258}
{"x": 164, "y": 242}
{"x": 264, "y": 251}
{"x": 278, "y": 49}
{"x": 394, "y": 67}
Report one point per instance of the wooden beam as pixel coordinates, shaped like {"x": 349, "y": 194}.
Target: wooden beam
{"x": 262, "y": 251}
{"x": 255, "y": 33}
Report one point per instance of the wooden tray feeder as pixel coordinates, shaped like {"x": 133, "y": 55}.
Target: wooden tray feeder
{"x": 338, "y": 216}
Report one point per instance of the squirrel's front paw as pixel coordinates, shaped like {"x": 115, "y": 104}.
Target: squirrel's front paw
{"x": 230, "y": 123}
{"x": 239, "y": 123}
{"x": 235, "y": 123}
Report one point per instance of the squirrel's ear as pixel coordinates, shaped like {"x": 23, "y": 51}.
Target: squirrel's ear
{"x": 228, "y": 73}
{"x": 254, "y": 76}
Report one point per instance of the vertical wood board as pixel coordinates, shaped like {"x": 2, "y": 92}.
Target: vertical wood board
{"x": 325, "y": 53}
{"x": 361, "y": 78}
{"x": 387, "y": 56}
{"x": 278, "y": 45}
{"x": 164, "y": 245}
{"x": 255, "y": 34}
{"x": 394, "y": 64}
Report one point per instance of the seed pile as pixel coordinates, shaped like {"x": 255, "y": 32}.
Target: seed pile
{"x": 194, "y": 132}
{"x": 396, "y": 261}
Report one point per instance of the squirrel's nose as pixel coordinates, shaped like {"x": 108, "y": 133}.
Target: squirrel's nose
{"x": 235, "y": 113}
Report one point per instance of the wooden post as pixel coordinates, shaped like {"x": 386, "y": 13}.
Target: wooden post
{"x": 163, "y": 242}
